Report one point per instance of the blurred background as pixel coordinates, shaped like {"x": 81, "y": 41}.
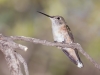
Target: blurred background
{"x": 20, "y": 18}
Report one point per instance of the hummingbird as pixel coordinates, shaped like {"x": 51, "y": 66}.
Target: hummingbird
{"x": 62, "y": 34}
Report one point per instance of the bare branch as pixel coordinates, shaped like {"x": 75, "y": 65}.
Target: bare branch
{"x": 44, "y": 42}
{"x": 21, "y": 59}
{"x": 8, "y": 46}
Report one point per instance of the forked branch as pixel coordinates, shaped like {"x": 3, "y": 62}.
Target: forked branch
{"x": 8, "y": 46}
{"x": 44, "y": 42}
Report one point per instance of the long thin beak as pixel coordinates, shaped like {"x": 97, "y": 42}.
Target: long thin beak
{"x": 45, "y": 14}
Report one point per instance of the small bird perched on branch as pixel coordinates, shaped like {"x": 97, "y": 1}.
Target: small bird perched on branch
{"x": 63, "y": 34}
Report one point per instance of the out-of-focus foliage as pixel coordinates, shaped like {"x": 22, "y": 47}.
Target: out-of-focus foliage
{"x": 20, "y": 17}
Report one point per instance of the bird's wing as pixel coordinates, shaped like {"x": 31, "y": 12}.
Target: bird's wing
{"x": 70, "y": 33}
{"x": 70, "y": 56}
{"x": 73, "y": 56}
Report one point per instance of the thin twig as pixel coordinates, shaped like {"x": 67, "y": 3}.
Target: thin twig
{"x": 21, "y": 59}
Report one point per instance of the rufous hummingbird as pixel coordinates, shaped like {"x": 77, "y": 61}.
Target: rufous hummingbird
{"x": 63, "y": 34}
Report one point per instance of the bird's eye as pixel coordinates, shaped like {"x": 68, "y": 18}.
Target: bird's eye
{"x": 58, "y": 18}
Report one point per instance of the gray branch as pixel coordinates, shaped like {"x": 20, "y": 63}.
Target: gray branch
{"x": 44, "y": 42}
{"x": 8, "y": 46}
